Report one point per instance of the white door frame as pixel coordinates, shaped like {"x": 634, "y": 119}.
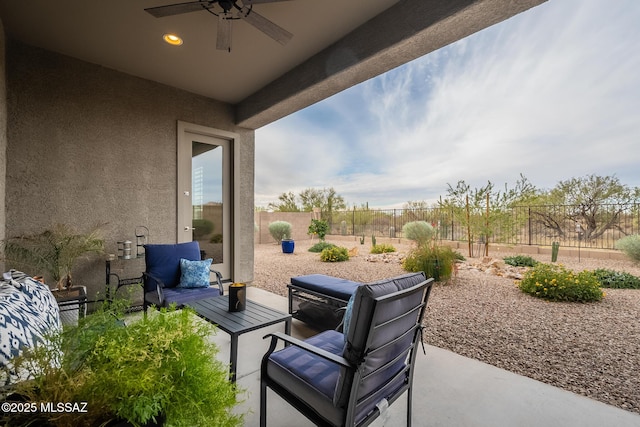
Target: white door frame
{"x": 184, "y": 184}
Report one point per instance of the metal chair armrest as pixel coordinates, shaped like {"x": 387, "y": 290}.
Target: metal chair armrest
{"x": 218, "y": 279}
{"x": 339, "y": 360}
{"x": 159, "y": 286}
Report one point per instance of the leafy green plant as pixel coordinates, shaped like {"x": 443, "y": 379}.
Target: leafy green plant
{"x": 319, "y": 227}
{"x": 557, "y": 283}
{"x": 320, "y": 246}
{"x": 55, "y": 251}
{"x": 630, "y": 245}
{"x": 334, "y": 254}
{"x": 280, "y": 230}
{"x": 616, "y": 279}
{"x": 520, "y": 261}
{"x": 436, "y": 261}
{"x": 382, "y": 248}
{"x": 420, "y": 232}
{"x": 161, "y": 366}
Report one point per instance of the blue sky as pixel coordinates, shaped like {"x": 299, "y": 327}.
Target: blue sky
{"x": 552, "y": 93}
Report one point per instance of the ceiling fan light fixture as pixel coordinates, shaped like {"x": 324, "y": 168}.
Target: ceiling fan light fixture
{"x": 172, "y": 39}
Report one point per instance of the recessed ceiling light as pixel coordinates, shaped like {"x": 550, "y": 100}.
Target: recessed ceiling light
{"x": 172, "y": 39}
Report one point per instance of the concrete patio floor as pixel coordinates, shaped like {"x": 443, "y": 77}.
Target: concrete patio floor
{"x": 449, "y": 390}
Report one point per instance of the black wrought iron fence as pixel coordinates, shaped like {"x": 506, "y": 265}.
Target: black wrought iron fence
{"x": 570, "y": 225}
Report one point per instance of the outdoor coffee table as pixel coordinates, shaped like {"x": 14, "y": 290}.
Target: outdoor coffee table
{"x": 256, "y": 316}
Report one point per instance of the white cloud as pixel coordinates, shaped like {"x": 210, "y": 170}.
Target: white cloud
{"x": 552, "y": 93}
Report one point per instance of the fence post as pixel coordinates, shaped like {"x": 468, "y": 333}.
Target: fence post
{"x": 529, "y": 225}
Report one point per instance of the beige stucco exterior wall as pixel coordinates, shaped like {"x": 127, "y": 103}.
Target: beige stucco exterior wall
{"x": 87, "y": 144}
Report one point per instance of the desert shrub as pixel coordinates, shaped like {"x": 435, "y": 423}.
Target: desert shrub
{"x": 319, "y": 227}
{"x": 216, "y": 238}
{"x": 420, "y": 232}
{"x": 320, "y": 246}
{"x": 630, "y": 245}
{"x": 436, "y": 261}
{"x": 616, "y": 279}
{"x": 557, "y": 283}
{"x": 520, "y": 261}
{"x": 280, "y": 230}
{"x": 334, "y": 254}
{"x": 202, "y": 227}
{"x": 382, "y": 248}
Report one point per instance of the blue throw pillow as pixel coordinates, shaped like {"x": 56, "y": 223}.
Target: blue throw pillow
{"x": 346, "y": 320}
{"x": 194, "y": 274}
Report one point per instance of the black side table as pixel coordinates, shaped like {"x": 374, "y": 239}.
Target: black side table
{"x": 256, "y": 316}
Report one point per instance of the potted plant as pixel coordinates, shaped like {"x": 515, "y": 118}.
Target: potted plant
{"x": 160, "y": 369}
{"x": 54, "y": 252}
{"x": 281, "y": 232}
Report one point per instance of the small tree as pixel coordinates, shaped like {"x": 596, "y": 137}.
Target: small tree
{"x": 280, "y": 230}
{"x": 319, "y": 227}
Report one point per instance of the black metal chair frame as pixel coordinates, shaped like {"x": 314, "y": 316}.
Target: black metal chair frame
{"x": 354, "y": 370}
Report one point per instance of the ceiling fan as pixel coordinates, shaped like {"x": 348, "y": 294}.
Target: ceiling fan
{"x": 228, "y": 11}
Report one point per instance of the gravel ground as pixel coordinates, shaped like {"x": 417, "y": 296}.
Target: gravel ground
{"x": 591, "y": 349}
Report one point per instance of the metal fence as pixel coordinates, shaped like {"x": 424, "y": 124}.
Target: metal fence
{"x": 596, "y": 227}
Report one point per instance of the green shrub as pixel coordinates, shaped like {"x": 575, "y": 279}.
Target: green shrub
{"x": 320, "y": 246}
{"x": 630, "y": 245}
{"x": 280, "y": 230}
{"x": 420, "y": 232}
{"x": 520, "y": 261}
{"x": 556, "y": 283}
{"x": 334, "y": 254}
{"x": 437, "y": 261}
{"x": 319, "y": 227}
{"x": 161, "y": 364}
{"x": 202, "y": 227}
{"x": 616, "y": 279}
{"x": 382, "y": 248}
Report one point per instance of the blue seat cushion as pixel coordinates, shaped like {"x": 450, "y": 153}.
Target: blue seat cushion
{"x": 163, "y": 261}
{"x": 327, "y": 285}
{"x": 310, "y": 377}
{"x": 181, "y": 296}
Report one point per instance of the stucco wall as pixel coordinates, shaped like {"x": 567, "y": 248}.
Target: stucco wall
{"x": 88, "y": 144}
{"x": 3, "y": 136}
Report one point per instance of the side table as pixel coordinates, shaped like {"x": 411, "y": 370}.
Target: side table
{"x": 215, "y": 310}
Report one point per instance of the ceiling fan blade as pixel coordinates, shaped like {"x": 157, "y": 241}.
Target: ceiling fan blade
{"x": 223, "y": 42}
{"x": 177, "y": 9}
{"x": 250, "y": 2}
{"x": 274, "y": 31}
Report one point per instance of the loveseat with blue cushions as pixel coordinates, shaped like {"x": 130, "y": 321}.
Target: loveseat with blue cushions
{"x": 176, "y": 274}
{"x": 28, "y": 314}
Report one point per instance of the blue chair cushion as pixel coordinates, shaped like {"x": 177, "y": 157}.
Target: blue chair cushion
{"x": 308, "y": 376}
{"x": 194, "y": 274}
{"x": 163, "y": 261}
{"x": 327, "y": 285}
{"x": 182, "y": 296}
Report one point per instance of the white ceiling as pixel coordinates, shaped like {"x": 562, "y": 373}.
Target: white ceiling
{"x": 119, "y": 34}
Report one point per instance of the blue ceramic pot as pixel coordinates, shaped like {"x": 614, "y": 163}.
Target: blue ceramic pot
{"x": 288, "y": 246}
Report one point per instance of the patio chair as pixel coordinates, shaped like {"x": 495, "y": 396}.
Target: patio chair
{"x": 350, "y": 379}
{"x": 174, "y": 273}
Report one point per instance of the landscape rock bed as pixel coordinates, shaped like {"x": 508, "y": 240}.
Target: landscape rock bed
{"x": 592, "y": 349}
